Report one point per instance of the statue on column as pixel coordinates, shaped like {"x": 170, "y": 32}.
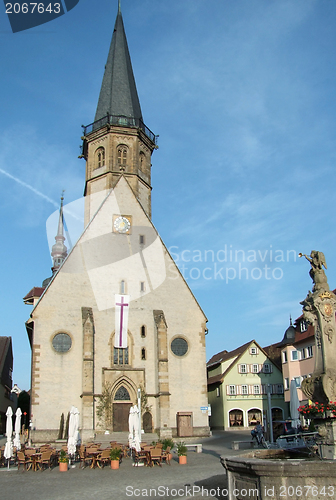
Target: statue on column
{"x": 319, "y": 310}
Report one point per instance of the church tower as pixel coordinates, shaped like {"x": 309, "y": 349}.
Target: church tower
{"x": 117, "y": 142}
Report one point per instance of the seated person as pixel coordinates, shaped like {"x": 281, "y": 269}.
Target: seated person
{"x": 257, "y": 432}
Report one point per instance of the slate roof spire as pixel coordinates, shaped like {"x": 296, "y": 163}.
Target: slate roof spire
{"x": 59, "y": 250}
{"x": 118, "y": 93}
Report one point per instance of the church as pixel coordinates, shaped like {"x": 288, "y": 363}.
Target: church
{"x": 117, "y": 315}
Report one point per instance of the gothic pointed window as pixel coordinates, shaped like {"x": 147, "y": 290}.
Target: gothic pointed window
{"x": 100, "y": 157}
{"x": 122, "y": 157}
{"x": 122, "y": 394}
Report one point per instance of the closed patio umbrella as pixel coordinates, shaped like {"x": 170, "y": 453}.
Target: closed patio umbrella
{"x": 131, "y": 428}
{"x": 136, "y": 440}
{"x": 73, "y": 430}
{"x": 17, "y": 442}
{"x": 294, "y": 405}
{"x": 9, "y": 431}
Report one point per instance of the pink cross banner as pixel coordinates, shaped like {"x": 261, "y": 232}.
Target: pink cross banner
{"x": 121, "y": 320}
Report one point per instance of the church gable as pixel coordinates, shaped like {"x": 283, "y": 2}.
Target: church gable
{"x": 120, "y": 251}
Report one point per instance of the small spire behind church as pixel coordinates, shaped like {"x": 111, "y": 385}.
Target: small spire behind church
{"x": 59, "y": 250}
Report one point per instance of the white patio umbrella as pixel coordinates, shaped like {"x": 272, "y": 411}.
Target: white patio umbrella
{"x": 73, "y": 430}
{"x": 9, "y": 431}
{"x": 17, "y": 442}
{"x": 131, "y": 428}
{"x": 136, "y": 416}
{"x": 294, "y": 405}
{"x": 139, "y": 413}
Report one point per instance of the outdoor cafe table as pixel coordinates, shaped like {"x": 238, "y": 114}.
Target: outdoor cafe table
{"x": 93, "y": 454}
{"x": 35, "y": 457}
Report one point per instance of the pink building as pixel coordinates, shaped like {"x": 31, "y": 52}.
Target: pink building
{"x": 297, "y": 356}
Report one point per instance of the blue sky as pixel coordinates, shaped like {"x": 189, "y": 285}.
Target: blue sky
{"x": 242, "y": 94}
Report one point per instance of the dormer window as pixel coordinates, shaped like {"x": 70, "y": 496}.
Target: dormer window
{"x": 303, "y": 326}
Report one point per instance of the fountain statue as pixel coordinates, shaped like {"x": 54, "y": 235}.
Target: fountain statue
{"x": 319, "y": 310}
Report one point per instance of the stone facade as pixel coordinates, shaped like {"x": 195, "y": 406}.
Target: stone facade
{"x": 79, "y": 302}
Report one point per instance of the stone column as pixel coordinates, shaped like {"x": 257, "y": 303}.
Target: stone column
{"x": 88, "y": 423}
{"x": 164, "y": 429}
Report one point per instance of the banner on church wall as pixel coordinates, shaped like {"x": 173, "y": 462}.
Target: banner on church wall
{"x": 121, "y": 320}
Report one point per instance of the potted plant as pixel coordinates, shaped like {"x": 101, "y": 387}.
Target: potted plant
{"x": 182, "y": 452}
{"x": 115, "y": 454}
{"x": 63, "y": 461}
{"x": 168, "y": 442}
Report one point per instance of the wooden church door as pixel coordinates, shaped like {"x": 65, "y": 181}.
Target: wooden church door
{"x": 121, "y": 409}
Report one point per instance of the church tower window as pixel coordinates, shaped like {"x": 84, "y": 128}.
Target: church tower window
{"x": 143, "y": 331}
{"x": 143, "y": 353}
{"x": 122, "y": 157}
{"x": 100, "y": 157}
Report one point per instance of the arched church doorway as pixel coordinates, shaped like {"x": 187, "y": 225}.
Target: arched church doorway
{"x": 121, "y": 407}
{"x": 147, "y": 422}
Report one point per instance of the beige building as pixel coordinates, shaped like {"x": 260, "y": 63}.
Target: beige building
{"x": 72, "y": 327}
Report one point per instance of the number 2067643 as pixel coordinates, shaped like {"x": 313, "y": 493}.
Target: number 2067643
{"x": 33, "y": 8}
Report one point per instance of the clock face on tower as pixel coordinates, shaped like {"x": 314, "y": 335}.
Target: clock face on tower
{"x": 122, "y": 224}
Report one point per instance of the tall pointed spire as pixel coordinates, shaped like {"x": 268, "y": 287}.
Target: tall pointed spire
{"x": 59, "y": 250}
{"x": 118, "y": 94}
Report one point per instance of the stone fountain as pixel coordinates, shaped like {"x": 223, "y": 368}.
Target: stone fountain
{"x": 266, "y": 474}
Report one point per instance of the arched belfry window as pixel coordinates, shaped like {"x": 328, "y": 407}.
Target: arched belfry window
{"x": 142, "y": 160}
{"x": 100, "y": 157}
{"x": 122, "y": 156}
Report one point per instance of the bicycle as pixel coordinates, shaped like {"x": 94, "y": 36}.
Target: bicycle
{"x": 260, "y": 440}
